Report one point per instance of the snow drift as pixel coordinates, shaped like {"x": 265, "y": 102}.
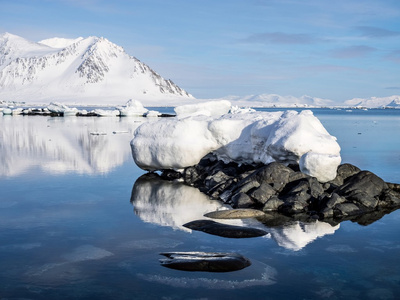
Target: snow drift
{"x": 245, "y": 138}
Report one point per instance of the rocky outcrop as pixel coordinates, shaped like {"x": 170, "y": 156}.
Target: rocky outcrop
{"x": 276, "y": 188}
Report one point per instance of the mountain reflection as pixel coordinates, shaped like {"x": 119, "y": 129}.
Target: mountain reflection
{"x": 59, "y": 145}
{"x": 173, "y": 204}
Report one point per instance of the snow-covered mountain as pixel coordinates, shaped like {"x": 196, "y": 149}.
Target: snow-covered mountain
{"x": 84, "y": 70}
{"x": 375, "y": 102}
{"x": 274, "y": 100}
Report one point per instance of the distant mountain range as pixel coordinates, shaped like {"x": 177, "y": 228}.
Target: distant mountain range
{"x": 273, "y": 100}
{"x": 93, "y": 70}
{"x": 83, "y": 70}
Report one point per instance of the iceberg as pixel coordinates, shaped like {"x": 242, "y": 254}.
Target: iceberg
{"x": 251, "y": 137}
{"x": 132, "y": 108}
{"x": 59, "y": 108}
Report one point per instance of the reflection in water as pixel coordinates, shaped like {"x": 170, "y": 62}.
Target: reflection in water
{"x": 265, "y": 277}
{"x": 59, "y": 145}
{"x": 173, "y": 204}
{"x": 168, "y": 203}
{"x": 298, "y": 235}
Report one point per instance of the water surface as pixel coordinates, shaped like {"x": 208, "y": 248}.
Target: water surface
{"x": 71, "y": 228}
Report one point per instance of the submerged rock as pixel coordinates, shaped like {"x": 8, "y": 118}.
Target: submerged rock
{"x": 204, "y": 261}
{"x": 224, "y": 230}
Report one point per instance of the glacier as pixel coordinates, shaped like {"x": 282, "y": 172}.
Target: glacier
{"x": 89, "y": 70}
{"x": 250, "y": 137}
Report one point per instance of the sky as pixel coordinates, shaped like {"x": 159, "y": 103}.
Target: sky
{"x": 336, "y": 50}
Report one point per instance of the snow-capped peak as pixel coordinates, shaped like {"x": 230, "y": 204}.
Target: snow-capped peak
{"x": 59, "y": 42}
{"x": 84, "y": 70}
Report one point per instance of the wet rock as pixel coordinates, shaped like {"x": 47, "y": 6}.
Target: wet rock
{"x": 224, "y": 230}
{"x": 242, "y": 213}
{"x": 204, "y": 261}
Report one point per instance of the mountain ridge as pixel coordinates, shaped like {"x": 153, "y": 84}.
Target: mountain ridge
{"x": 92, "y": 69}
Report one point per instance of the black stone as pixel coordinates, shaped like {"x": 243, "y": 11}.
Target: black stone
{"x": 228, "y": 231}
{"x": 204, "y": 261}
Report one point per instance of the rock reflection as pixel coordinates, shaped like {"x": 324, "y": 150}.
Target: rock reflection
{"x": 169, "y": 203}
{"x": 60, "y": 145}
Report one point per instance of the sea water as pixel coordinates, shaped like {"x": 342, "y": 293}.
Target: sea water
{"x": 71, "y": 228}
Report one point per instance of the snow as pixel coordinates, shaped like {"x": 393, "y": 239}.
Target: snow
{"x": 59, "y": 42}
{"x": 210, "y": 108}
{"x": 245, "y": 138}
{"x": 132, "y": 108}
{"x": 274, "y": 100}
{"x": 375, "y": 102}
{"x": 88, "y": 71}
{"x": 298, "y": 235}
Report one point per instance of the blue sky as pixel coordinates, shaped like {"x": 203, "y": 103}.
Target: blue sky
{"x": 337, "y": 50}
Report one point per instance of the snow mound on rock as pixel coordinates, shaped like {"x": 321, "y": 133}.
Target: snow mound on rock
{"x": 247, "y": 138}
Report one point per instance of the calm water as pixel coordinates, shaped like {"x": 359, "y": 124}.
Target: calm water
{"x": 69, "y": 228}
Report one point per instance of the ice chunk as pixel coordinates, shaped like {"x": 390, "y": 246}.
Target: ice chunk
{"x": 244, "y": 138}
{"x": 211, "y": 108}
{"x": 132, "y": 108}
{"x": 322, "y": 166}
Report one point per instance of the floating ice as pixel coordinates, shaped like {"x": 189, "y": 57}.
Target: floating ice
{"x": 132, "y": 108}
{"x": 246, "y": 138}
{"x": 56, "y": 107}
{"x": 211, "y": 108}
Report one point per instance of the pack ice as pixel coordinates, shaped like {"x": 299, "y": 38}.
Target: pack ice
{"x": 237, "y": 135}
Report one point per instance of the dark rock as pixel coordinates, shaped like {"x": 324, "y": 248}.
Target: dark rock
{"x": 215, "y": 179}
{"x": 294, "y": 205}
{"x": 275, "y": 174}
{"x": 170, "y": 175}
{"x": 343, "y": 172}
{"x": 247, "y": 186}
{"x": 242, "y": 213}
{"x": 272, "y": 204}
{"x": 217, "y": 190}
{"x": 327, "y": 212}
{"x": 204, "y": 261}
{"x": 263, "y": 193}
{"x": 334, "y": 200}
{"x": 284, "y": 189}
{"x": 346, "y": 209}
{"x": 297, "y": 176}
{"x": 241, "y": 200}
{"x": 191, "y": 175}
{"x": 364, "y": 188}
{"x": 394, "y": 186}
{"x": 347, "y": 170}
{"x": 228, "y": 231}
{"x": 390, "y": 198}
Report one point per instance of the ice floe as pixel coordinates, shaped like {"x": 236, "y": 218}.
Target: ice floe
{"x": 250, "y": 137}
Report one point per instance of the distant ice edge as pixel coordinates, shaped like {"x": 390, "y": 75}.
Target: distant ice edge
{"x": 237, "y": 135}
